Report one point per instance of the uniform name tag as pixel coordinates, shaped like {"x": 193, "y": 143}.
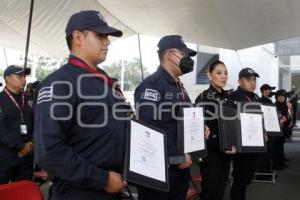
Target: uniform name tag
{"x": 23, "y": 129}
{"x": 151, "y": 95}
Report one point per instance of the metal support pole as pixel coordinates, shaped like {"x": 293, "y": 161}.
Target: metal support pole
{"x": 28, "y": 33}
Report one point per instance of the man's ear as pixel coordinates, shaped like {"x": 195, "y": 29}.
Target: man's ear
{"x": 240, "y": 81}
{"x": 77, "y": 38}
{"x": 7, "y": 79}
{"x": 168, "y": 54}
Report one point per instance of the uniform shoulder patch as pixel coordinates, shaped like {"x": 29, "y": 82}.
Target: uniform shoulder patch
{"x": 151, "y": 94}
{"x": 30, "y": 104}
{"x": 45, "y": 94}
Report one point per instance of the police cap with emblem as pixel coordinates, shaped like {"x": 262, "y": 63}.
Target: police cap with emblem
{"x": 174, "y": 42}
{"x": 90, "y": 20}
{"x": 266, "y": 87}
{"x": 15, "y": 69}
{"x": 247, "y": 72}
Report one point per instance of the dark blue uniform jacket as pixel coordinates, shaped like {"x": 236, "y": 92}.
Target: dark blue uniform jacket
{"x": 154, "y": 99}
{"x": 78, "y": 139}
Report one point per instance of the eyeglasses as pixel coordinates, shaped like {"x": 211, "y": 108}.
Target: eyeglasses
{"x": 183, "y": 53}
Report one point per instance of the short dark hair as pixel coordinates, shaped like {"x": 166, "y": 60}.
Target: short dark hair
{"x": 161, "y": 54}
{"x": 69, "y": 39}
{"x": 213, "y": 65}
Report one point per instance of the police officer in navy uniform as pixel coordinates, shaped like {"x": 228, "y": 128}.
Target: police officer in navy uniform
{"x": 266, "y": 94}
{"x": 265, "y": 159}
{"x": 79, "y": 139}
{"x": 216, "y": 166}
{"x": 154, "y": 98}
{"x": 244, "y": 164}
{"x": 285, "y": 120}
{"x": 16, "y": 128}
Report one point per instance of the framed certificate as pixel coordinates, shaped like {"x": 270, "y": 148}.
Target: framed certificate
{"x": 146, "y": 157}
{"x": 228, "y": 124}
{"x": 190, "y": 132}
{"x": 243, "y": 130}
{"x": 271, "y": 120}
{"x": 252, "y": 133}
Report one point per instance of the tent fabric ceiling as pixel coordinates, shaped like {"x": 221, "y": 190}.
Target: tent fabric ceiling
{"x": 231, "y": 24}
{"x": 48, "y": 24}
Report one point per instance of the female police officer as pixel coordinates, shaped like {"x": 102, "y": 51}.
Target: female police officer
{"x": 215, "y": 167}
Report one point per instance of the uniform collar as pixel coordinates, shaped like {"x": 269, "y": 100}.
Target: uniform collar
{"x": 75, "y": 57}
{"x": 166, "y": 74}
{"x": 98, "y": 69}
{"x": 250, "y": 94}
{"x": 281, "y": 103}
{"x": 263, "y": 97}
{"x": 213, "y": 89}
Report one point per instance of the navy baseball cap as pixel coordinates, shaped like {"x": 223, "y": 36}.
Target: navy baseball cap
{"x": 247, "y": 72}
{"x": 266, "y": 87}
{"x": 90, "y": 20}
{"x": 281, "y": 92}
{"x": 15, "y": 69}
{"x": 174, "y": 42}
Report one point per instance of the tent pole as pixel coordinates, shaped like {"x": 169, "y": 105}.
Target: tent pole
{"x": 237, "y": 53}
{"x": 141, "y": 61}
{"x": 28, "y": 33}
{"x": 5, "y": 56}
{"x": 197, "y": 57}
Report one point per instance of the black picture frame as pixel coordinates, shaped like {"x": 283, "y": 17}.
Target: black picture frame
{"x": 138, "y": 179}
{"x": 230, "y": 130}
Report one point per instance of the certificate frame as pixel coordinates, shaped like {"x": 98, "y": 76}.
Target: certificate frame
{"x": 273, "y": 133}
{"x": 196, "y": 155}
{"x": 138, "y": 179}
{"x": 228, "y": 127}
{"x": 231, "y": 131}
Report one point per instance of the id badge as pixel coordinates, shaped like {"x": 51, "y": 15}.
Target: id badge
{"x": 23, "y": 129}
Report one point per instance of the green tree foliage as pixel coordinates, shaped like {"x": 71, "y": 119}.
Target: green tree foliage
{"x": 132, "y": 73}
{"x": 45, "y": 66}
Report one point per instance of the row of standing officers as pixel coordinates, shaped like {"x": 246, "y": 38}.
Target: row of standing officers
{"x": 84, "y": 159}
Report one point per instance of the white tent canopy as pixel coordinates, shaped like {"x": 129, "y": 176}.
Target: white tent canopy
{"x": 48, "y": 24}
{"x": 232, "y": 24}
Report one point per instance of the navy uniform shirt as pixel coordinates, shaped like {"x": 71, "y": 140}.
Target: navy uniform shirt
{"x": 12, "y": 139}
{"x": 266, "y": 101}
{"x": 212, "y": 96}
{"x": 78, "y": 139}
{"x": 283, "y": 111}
{"x": 240, "y": 95}
{"x": 154, "y": 99}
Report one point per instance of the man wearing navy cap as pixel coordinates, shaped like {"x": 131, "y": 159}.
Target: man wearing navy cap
{"x": 266, "y": 93}
{"x": 79, "y": 141}
{"x": 16, "y": 128}
{"x": 244, "y": 164}
{"x": 285, "y": 122}
{"x": 160, "y": 91}
{"x": 265, "y": 159}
